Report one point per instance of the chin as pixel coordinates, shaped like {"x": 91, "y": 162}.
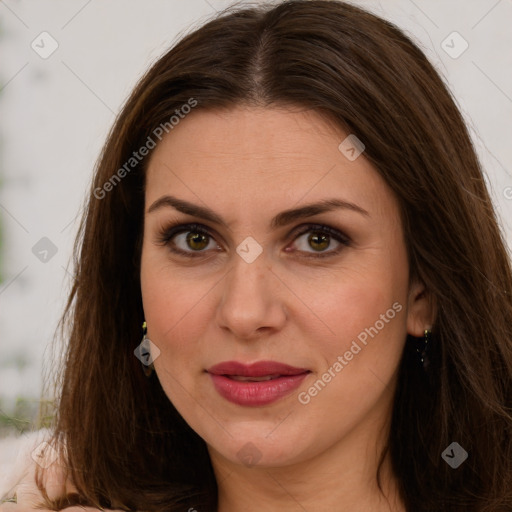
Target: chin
{"x": 257, "y": 448}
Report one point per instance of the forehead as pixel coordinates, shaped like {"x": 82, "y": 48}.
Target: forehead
{"x": 251, "y": 134}
{"x": 259, "y": 157}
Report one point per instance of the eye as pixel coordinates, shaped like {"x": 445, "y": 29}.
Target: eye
{"x": 188, "y": 239}
{"x": 317, "y": 240}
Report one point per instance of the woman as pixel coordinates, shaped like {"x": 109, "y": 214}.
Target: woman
{"x": 290, "y": 214}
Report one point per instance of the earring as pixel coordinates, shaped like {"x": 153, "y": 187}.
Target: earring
{"x": 423, "y": 347}
{"x": 145, "y": 352}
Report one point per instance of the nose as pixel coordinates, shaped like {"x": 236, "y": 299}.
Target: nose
{"x": 251, "y": 303}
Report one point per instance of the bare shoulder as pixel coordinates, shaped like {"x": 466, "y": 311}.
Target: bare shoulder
{"x": 20, "y": 458}
{"x": 18, "y": 455}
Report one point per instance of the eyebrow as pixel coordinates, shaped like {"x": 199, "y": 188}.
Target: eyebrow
{"x": 281, "y": 219}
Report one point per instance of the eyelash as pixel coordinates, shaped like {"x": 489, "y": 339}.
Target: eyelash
{"x": 168, "y": 233}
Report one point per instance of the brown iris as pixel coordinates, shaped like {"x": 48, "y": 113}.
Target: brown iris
{"x": 197, "y": 241}
{"x": 318, "y": 241}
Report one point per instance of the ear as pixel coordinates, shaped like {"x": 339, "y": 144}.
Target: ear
{"x": 420, "y": 310}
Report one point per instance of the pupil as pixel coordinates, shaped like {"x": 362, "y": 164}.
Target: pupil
{"x": 319, "y": 239}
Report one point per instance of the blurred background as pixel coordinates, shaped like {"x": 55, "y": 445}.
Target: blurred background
{"x": 66, "y": 68}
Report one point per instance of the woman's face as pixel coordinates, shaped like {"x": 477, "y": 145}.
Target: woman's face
{"x": 280, "y": 324}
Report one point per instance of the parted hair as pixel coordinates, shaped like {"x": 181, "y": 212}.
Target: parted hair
{"x": 126, "y": 445}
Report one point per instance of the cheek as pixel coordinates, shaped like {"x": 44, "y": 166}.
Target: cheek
{"x": 363, "y": 318}
{"x": 174, "y": 307}
{"x": 173, "y": 319}
{"x": 176, "y": 320}
{"x": 357, "y": 360}
{"x": 355, "y": 297}
{"x": 366, "y": 326}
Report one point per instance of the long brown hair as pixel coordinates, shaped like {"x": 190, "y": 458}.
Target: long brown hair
{"x": 126, "y": 444}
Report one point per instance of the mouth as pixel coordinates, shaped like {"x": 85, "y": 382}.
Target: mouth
{"x": 241, "y": 378}
{"x": 256, "y": 384}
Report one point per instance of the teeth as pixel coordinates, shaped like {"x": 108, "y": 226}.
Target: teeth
{"x": 253, "y": 379}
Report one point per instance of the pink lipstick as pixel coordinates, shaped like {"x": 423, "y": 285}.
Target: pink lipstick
{"x": 256, "y": 384}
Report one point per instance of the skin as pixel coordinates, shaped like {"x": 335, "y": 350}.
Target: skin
{"x": 29, "y": 497}
{"x": 248, "y": 165}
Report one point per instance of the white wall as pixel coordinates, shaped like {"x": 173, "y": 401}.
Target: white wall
{"x": 55, "y": 114}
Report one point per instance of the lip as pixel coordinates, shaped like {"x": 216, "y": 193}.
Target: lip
{"x": 283, "y": 379}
